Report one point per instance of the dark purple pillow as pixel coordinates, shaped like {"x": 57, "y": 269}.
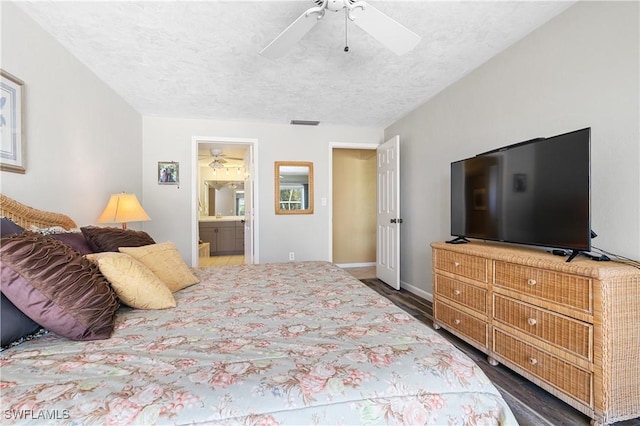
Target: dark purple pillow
{"x": 8, "y": 227}
{"x": 75, "y": 240}
{"x": 56, "y": 287}
{"x": 109, "y": 239}
{"x": 15, "y": 325}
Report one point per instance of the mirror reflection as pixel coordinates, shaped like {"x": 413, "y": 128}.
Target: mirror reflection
{"x": 226, "y": 198}
{"x": 293, "y": 187}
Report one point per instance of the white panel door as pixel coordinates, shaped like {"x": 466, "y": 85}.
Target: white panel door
{"x": 388, "y": 216}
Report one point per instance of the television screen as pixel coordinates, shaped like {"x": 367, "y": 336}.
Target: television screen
{"x": 535, "y": 192}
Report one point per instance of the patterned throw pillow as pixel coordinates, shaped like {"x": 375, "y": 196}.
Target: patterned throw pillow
{"x": 165, "y": 261}
{"x": 51, "y": 230}
{"x": 57, "y": 287}
{"x": 109, "y": 239}
{"x": 134, "y": 283}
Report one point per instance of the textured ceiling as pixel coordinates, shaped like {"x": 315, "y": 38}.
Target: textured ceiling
{"x": 201, "y": 59}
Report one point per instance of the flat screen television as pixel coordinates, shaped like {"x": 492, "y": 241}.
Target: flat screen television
{"x": 535, "y": 193}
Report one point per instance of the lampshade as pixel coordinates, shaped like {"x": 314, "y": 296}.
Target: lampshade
{"x": 123, "y": 208}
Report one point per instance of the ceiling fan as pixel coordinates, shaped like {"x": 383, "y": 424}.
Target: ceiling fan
{"x": 220, "y": 184}
{"x": 218, "y": 158}
{"x": 387, "y": 31}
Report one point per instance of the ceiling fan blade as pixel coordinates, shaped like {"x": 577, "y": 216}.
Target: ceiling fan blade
{"x": 290, "y": 36}
{"x": 393, "y": 35}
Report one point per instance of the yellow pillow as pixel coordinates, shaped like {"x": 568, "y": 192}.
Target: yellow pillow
{"x": 165, "y": 261}
{"x": 133, "y": 282}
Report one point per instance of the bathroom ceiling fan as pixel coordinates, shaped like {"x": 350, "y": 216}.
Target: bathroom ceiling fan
{"x": 387, "y": 31}
{"x": 218, "y": 158}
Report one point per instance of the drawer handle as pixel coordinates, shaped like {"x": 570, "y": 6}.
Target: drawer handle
{"x": 533, "y": 361}
{"x": 456, "y": 321}
{"x": 532, "y": 321}
{"x": 532, "y": 282}
{"x": 456, "y": 292}
{"x": 456, "y": 264}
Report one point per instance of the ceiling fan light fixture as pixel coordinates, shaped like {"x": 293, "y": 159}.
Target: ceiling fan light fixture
{"x": 215, "y": 164}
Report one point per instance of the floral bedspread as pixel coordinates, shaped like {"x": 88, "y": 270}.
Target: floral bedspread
{"x": 293, "y": 343}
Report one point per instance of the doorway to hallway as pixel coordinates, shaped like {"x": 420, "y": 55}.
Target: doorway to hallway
{"x": 353, "y": 209}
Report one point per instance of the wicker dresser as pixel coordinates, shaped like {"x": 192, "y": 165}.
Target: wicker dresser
{"x": 571, "y": 328}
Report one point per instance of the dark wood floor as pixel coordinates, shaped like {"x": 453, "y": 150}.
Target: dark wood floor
{"x": 531, "y": 405}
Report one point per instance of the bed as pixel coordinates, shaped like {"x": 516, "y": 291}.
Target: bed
{"x": 285, "y": 343}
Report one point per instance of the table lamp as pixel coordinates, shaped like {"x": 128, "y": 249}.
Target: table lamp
{"x": 123, "y": 208}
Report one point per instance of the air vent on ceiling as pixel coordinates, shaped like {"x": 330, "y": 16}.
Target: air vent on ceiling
{"x": 305, "y": 122}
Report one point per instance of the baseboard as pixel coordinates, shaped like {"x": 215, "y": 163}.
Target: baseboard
{"x": 356, "y": 265}
{"x": 417, "y": 291}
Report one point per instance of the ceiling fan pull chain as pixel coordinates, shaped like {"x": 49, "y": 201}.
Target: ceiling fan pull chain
{"x": 346, "y": 41}
{"x": 380, "y": 26}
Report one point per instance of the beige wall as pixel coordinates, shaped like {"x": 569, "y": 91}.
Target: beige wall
{"x": 580, "y": 69}
{"x": 354, "y": 206}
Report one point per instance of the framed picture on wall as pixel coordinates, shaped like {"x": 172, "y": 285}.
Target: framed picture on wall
{"x": 11, "y": 109}
{"x": 168, "y": 173}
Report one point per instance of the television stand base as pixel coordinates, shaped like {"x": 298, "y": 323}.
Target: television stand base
{"x": 573, "y": 255}
{"x": 458, "y": 240}
{"x": 596, "y": 257}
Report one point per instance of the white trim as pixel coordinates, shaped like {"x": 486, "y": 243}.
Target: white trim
{"x": 356, "y": 265}
{"x": 417, "y": 291}
{"x": 332, "y": 146}
{"x": 195, "y": 140}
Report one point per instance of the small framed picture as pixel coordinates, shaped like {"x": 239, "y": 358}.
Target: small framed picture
{"x": 168, "y": 173}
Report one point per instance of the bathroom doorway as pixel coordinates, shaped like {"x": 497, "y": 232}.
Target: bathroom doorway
{"x": 225, "y": 201}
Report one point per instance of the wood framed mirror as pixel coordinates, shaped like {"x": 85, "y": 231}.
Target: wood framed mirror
{"x": 294, "y": 187}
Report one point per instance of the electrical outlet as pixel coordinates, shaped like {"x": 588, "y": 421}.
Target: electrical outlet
{"x": 292, "y": 256}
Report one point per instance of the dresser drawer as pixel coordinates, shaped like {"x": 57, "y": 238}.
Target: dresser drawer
{"x": 465, "y": 294}
{"x": 572, "y": 335}
{"x": 462, "y": 323}
{"x": 569, "y": 290}
{"x": 572, "y": 380}
{"x": 465, "y": 265}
